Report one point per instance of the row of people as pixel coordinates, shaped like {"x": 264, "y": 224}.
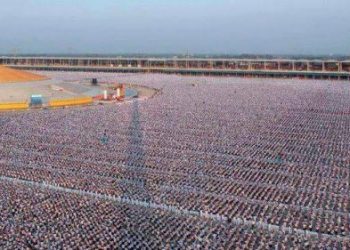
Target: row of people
{"x": 36, "y": 218}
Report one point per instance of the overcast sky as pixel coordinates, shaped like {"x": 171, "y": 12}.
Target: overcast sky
{"x": 175, "y": 26}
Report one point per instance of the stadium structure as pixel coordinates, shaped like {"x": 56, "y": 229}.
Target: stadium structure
{"x": 311, "y": 69}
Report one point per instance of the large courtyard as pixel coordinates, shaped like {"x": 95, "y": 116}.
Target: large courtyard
{"x": 207, "y": 163}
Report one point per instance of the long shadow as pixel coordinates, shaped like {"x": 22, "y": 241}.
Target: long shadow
{"x": 135, "y": 157}
{"x": 135, "y": 151}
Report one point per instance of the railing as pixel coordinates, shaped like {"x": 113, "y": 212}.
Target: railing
{"x": 70, "y": 102}
{"x": 13, "y": 106}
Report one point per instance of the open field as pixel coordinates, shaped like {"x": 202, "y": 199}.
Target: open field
{"x": 208, "y": 163}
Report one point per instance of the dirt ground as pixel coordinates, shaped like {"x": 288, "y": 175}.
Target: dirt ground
{"x": 8, "y": 75}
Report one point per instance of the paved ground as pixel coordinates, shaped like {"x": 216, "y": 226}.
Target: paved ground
{"x": 12, "y": 92}
{"x": 54, "y": 88}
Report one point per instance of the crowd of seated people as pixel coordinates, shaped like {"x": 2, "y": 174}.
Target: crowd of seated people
{"x": 263, "y": 152}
